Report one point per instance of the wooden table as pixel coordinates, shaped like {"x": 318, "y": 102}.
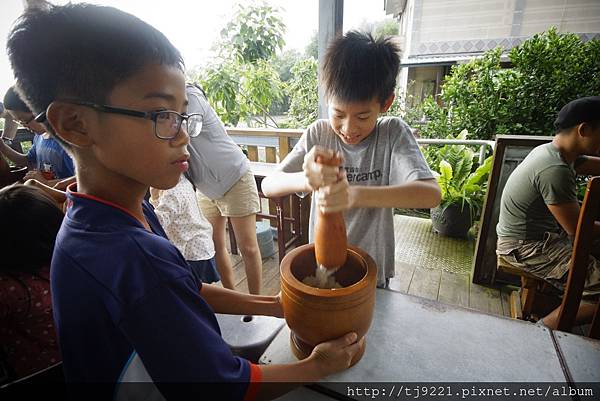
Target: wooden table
{"x": 292, "y": 230}
{"x": 413, "y": 339}
{"x": 581, "y": 356}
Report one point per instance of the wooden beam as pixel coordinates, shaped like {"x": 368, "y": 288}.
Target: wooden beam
{"x": 284, "y": 147}
{"x": 270, "y": 154}
{"x": 253, "y": 153}
{"x": 268, "y": 132}
{"x": 331, "y": 18}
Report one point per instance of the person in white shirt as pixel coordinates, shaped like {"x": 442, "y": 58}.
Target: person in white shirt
{"x": 226, "y": 190}
{"x": 183, "y": 222}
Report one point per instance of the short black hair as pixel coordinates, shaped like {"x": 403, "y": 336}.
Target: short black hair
{"x": 12, "y": 101}
{"x": 582, "y": 110}
{"x": 81, "y": 51}
{"x": 30, "y": 221}
{"x": 357, "y": 67}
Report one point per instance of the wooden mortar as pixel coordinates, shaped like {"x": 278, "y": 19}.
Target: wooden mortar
{"x": 315, "y": 315}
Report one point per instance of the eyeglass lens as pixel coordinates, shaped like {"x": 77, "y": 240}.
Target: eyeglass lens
{"x": 168, "y": 124}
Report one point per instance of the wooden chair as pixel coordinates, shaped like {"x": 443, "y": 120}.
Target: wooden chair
{"x": 584, "y": 236}
{"x": 534, "y": 299}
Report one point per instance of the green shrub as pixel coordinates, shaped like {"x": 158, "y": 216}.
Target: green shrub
{"x": 481, "y": 96}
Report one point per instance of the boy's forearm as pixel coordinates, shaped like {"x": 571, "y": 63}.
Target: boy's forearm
{"x": 53, "y": 182}
{"x": 281, "y": 184}
{"x": 277, "y": 380}
{"x": 420, "y": 194}
{"x": 18, "y": 158}
{"x": 223, "y": 300}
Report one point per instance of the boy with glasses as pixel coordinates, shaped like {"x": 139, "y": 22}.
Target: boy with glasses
{"x": 126, "y": 306}
{"x": 48, "y": 161}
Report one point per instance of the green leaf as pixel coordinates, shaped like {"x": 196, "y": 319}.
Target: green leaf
{"x": 482, "y": 172}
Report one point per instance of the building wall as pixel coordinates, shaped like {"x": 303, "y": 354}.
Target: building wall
{"x": 442, "y": 27}
{"x": 438, "y": 33}
{"x": 451, "y": 20}
{"x": 582, "y": 16}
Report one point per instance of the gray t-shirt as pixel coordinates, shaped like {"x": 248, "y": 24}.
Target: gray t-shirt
{"x": 388, "y": 156}
{"x": 216, "y": 161}
{"x": 543, "y": 178}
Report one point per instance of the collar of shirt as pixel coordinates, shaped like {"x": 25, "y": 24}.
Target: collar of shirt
{"x": 92, "y": 211}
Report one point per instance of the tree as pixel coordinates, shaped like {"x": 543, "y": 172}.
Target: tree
{"x": 283, "y": 64}
{"x": 312, "y": 48}
{"x": 255, "y": 33}
{"x": 261, "y": 87}
{"x": 246, "y": 84}
{"x": 221, "y": 82}
{"x": 383, "y": 28}
{"x": 304, "y": 94}
{"x": 387, "y": 27}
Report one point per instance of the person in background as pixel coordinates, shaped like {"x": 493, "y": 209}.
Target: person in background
{"x": 178, "y": 212}
{"x": 48, "y": 161}
{"x": 382, "y": 166}
{"x": 126, "y": 305}
{"x": 10, "y": 126}
{"x": 227, "y": 189}
{"x": 30, "y": 221}
{"x": 539, "y": 208}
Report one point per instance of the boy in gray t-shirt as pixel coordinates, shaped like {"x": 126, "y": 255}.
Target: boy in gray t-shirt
{"x": 383, "y": 167}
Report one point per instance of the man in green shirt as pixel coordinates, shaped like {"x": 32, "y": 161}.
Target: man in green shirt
{"x": 539, "y": 207}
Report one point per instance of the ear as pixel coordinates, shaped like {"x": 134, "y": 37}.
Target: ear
{"x": 388, "y": 103}
{"x": 585, "y": 129}
{"x": 69, "y": 123}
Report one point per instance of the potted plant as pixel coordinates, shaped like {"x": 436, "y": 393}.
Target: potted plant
{"x": 462, "y": 189}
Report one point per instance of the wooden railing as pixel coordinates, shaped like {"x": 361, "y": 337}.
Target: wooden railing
{"x": 282, "y": 140}
{"x": 273, "y": 140}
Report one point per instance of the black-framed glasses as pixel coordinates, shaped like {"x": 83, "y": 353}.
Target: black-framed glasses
{"x": 167, "y": 123}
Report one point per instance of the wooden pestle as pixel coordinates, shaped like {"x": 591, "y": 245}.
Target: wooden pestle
{"x": 331, "y": 242}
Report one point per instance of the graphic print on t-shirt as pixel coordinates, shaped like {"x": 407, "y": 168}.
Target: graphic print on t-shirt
{"x": 47, "y": 171}
{"x": 354, "y": 174}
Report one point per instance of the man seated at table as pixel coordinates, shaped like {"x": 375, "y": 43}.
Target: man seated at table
{"x": 539, "y": 207}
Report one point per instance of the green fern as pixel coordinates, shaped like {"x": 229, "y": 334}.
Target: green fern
{"x": 458, "y": 183}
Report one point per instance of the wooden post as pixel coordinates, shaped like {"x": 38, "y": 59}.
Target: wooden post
{"x": 270, "y": 154}
{"x": 253, "y": 153}
{"x": 271, "y": 157}
{"x": 331, "y": 18}
{"x": 284, "y": 147}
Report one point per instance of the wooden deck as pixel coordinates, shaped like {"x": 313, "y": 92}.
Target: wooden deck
{"x": 437, "y": 284}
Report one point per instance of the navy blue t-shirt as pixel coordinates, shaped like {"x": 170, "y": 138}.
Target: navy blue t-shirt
{"x": 120, "y": 292}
